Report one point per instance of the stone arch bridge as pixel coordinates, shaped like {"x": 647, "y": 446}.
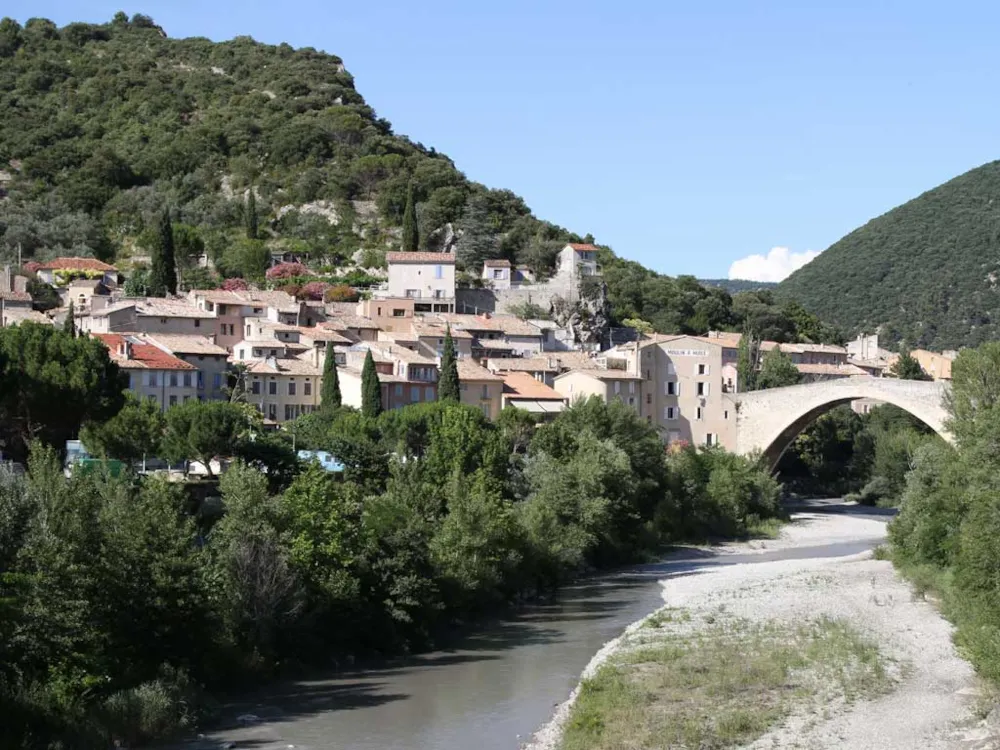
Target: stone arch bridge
{"x": 768, "y": 421}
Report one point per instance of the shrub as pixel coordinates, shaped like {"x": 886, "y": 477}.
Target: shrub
{"x": 234, "y": 285}
{"x": 342, "y": 293}
{"x": 314, "y": 290}
{"x": 286, "y": 271}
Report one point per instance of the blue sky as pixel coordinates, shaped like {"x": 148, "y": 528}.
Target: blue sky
{"x": 685, "y": 135}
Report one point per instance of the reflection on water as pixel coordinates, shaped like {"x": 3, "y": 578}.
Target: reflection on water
{"x": 489, "y": 692}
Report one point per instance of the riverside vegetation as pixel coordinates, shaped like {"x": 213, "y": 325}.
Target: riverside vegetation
{"x": 125, "y": 603}
{"x": 947, "y": 535}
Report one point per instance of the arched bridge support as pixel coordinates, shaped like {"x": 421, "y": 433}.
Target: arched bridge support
{"x": 768, "y": 421}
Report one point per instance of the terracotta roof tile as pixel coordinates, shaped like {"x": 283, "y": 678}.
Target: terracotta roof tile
{"x": 498, "y": 263}
{"x": 582, "y": 247}
{"x": 523, "y": 385}
{"x": 141, "y": 355}
{"x": 469, "y": 370}
{"x": 75, "y": 264}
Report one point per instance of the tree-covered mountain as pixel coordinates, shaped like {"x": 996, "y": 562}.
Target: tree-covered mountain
{"x": 252, "y": 148}
{"x": 925, "y": 273}
{"x": 734, "y": 286}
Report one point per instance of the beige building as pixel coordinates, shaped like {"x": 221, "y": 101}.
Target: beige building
{"x": 522, "y": 391}
{"x": 283, "y": 389}
{"x": 480, "y": 388}
{"x": 149, "y": 315}
{"x": 210, "y": 360}
{"x": 59, "y": 272}
{"x": 153, "y": 374}
{"x": 578, "y": 385}
{"x": 426, "y": 278}
{"x": 497, "y": 274}
{"x": 935, "y": 364}
{"x": 231, "y": 309}
{"x": 542, "y": 369}
{"x": 388, "y": 313}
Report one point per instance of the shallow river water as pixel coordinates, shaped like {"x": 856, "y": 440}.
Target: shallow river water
{"x": 492, "y": 689}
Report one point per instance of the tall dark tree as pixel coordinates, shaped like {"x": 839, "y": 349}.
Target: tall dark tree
{"x": 251, "y": 214}
{"x": 411, "y": 232}
{"x": 371, "y": 389}
{"x": 330, "y": 395}
{"x": 748, "y": 360}
{"x": 163, "y": 274}
{"x": 69, "y": 325}
{"x": 448, "y": 385}
{"x": 908, "y": 368}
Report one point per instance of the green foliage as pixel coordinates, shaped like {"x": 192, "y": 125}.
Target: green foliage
{"x": 51, "y": 383}
{"x": 922, "y": 273}
{"x": 371, "y": 389}
{"x": 133, "y": 433}
{"x": 251, "y": 214}
{"x": 448, "y": 383}
{"x": 330, "y": 399}
{"x": 203, "y": 430}
{"x": 948, "y": 525}
{"x": 69, "y": 324}
{"x": 906, "y": 367}
{"x": 777, "y": 371}
{"x": 747, "y": 361}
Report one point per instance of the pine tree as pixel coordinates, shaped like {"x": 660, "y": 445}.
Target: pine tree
{"x": 251, "y": 214}
{"x": 748, "y": 360}
{"x": 330, "y": 395}
{"x": 448, "y": 385}
{"x": 163, "y": 274}
{"x": 69, "y": 326}
{"x": 371, "y": 389}
{"x": 411, "y": 232}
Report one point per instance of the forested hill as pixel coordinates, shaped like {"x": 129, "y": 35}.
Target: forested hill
{"x": 107, "y": 126}
{"x": 926, "y": 272}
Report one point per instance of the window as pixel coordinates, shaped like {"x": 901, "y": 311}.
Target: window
{"x": 187, "y": 380}
{"x": 428, "y": 393}
{"x": 291, "y": 387}
{"x": 272, "y": 388}
{"x": 697, "y": 414}
{"x": 618, "y": 386}
{"x": 289, "y": 413}
{"x": 710, "y": 439}
{"x": 649, "y": 375}
{"x": 486, "y": 410}
{"x": 670, "y": 369}
{"x": 173, "y": 400}
{"x": 398, "y": 313}
{"x": 670, "y": 388}
{"x": 725, "y": 414}
{"x": 216, "y": 380}
{"x": 631, "y": 387}
{"x": 415, "y": 394}
{"x": 274, "y": 352}
{"x": 438, "y": 272}
{"x": 497, "y": 273}
{"x": 255, "y": 388}
{"x": 702, "y": 388}
{"x": 173, "y": 380}
{"x": 197, "y": 323}
{"x": 272, "y": 412}
{"x": 463, "y": 386}
{"x": 152, "y": 378}
{"x": 307, "y": 388}
{"x": 486, "y": 392}
{"x": 240, "y": 354}
{"x": 439, "y": 294}
{"x": 222, "y": 309}
{"x": 649, "y": 398}
{"x": 163, "y": 321}
{"x": 703, "y": 369}
{"x": 413, "y": 293}
{"x": 671, "y": 412}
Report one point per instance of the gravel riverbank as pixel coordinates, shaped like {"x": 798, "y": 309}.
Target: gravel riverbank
{"x": 934, "y": 699}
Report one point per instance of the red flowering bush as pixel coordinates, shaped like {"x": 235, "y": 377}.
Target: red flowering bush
{"x": 31, "y": 266}
{"x": 314, "y": 290}
{"x": 287, "y": 271}
{"x": 234, "y": 285}
{"x": 342, "y": 293}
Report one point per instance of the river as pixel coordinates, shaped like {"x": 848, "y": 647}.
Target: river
{"x": 492, "y": 689}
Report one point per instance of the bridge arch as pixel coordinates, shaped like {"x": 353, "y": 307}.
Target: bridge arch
{"x": 768, "y": 421}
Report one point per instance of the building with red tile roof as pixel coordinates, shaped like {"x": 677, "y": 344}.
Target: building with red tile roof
{"x": 153, "y": 374}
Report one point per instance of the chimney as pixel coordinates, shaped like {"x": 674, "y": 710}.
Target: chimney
{"x": 272, "y": 362}
{"x": 125, "y": 349}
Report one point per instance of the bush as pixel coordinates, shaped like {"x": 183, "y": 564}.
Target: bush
{"x": 234, "y": 285}
{"x": 286, "y": 271}
{"x": 314, "y": 290}
{"x": 341, "y": 293}
{"x": 152, "y": 710}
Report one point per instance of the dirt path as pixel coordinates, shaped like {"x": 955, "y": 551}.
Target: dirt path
{"x": 934, "y": 700}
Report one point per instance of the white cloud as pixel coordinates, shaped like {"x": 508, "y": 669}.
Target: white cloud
{"x": 775, "y": 266}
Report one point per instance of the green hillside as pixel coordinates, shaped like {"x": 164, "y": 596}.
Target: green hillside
{"x": 925, "y": 273}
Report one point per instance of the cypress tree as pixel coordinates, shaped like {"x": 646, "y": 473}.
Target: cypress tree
{"x": 69, "y": 326}
{"x": 163, "y": 274}
{"x": 251, "y": 214}
{"x": 371, "y": 390}
{"x": 330, "y": 395}
{"x": 448, "y": 385}
{"x": 411, "y": 232}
